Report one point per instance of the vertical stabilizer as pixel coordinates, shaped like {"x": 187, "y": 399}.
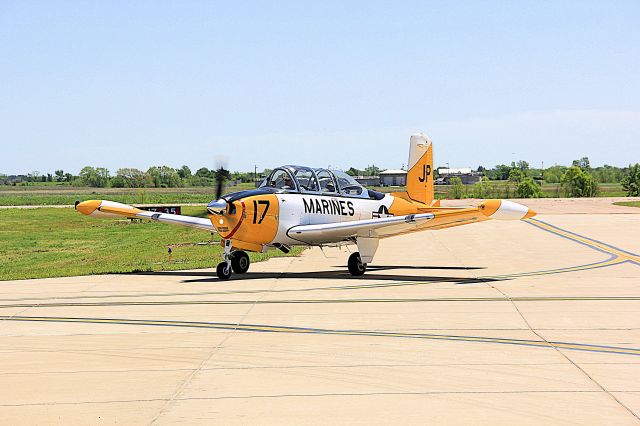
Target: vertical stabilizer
{"x": 420, "y": 174}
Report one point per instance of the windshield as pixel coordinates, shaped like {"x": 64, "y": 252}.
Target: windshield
{"x": 280, "y": 179}
{"x": 348, "y": 185}
{"x": 306, "y": 179}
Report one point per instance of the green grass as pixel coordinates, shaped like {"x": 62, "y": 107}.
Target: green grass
{"x": 628, "y": 203}
{"x": 47, "y": 195}
{"x": 67, "y": 195}
{"x": 54, "y": 242}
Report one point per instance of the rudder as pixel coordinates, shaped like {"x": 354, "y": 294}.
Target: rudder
{"x": 420, "y": 174}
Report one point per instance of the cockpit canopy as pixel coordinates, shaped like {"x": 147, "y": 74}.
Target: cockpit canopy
{"x": 299, "y": 179}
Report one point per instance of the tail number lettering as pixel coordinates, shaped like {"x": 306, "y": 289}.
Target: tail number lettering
{"x": 426, "y": 171}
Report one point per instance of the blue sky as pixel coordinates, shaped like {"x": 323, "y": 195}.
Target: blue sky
{"x": 135, "y": 84}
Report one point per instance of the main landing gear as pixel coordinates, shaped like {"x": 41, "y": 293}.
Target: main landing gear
{"x": 236, "y": 261}
{"x": 356, "y": 267}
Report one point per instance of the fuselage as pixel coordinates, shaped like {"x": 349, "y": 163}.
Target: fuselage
{"x": 263, "y": 217}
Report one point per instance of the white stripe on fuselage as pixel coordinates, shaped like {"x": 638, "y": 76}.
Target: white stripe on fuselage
{"x": 313, "y": 209}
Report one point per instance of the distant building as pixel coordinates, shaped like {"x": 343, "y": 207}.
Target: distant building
{"x": 393, "y": 177}
{"x": 368, "y": 180}
{"x": 466, "y": 175}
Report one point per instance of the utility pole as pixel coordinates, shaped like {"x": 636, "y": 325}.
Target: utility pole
{"x": 255, "y": 173}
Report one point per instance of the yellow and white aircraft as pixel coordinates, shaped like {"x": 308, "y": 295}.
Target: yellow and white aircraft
{"x": 302, "y": 206}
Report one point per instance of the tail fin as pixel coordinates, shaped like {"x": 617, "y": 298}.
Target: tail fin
{"x": 420, "y": 174}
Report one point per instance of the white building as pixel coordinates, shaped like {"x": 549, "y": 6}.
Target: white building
{"x": 393, "y": 177}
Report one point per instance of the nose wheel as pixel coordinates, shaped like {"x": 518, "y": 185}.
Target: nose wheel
{"x": 223, "y": 271}
{"x": 236, "y": 261}
{"x": 355, "y": 265}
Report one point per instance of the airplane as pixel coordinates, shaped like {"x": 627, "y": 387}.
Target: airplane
{"x": 303, "y": 206}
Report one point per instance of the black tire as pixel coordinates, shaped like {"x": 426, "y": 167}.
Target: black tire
{"x": 222, "y": 271}
{"x": 240, "y": 262}
{"x": 356, "y": 267}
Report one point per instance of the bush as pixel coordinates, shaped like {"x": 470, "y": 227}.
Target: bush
{"x": 528, "y": 188}
{"x": 631, "y": 181}
{"x": 577, "y": 182}
{"x": 457, "y": 190}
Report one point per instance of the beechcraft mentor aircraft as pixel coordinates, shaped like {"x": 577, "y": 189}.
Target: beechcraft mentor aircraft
{"x": 302, "y": 206}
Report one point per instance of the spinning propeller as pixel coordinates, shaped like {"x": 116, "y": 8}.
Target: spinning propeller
{"x": 219, "y": 205}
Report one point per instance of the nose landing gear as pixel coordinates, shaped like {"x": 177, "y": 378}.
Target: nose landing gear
{"x": 236, "y": 261}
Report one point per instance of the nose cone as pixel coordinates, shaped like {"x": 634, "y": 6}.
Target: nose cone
{"x": 217, "y": 206}
{"x": 88, "y": 207}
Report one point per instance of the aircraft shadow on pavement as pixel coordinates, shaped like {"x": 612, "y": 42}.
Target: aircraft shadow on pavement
{"x": 332, "y": 275}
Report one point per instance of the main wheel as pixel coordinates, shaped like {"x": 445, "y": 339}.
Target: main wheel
{"x": 223, "y": 272}
{"x": 356, "y": 267}
{"x": 240, "y": 262}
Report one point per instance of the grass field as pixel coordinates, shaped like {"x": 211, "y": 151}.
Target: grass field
{"x": 39, "y": 195}
{"x": 628, "y": 203}
{"x": 67, "y": 195}
{"x": 53, "y": 242}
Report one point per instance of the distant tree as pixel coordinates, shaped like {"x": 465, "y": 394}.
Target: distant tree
{"x": 501, "y": 172}
{"x": 457, "y": 189}
{"x": 583, "y": 163}
{"x": 222, "y": 173}
{"x": 554, "y": 174}
{"x": 59, "y": 175}
{"x": 577, "y": 182}
{"x": 33, "y": 176}
{"x": 481, "y": 169}
{"x": 131, "y": 178}
{"x": 481, "y": 189}
{"x": 203, "y": 172}
{"x": 608, "y": 174}
{"x": 631, "y": 181}
{"x": 523, "y": 165}
{"x": 242, "y": 176}
{"x": 68, "y": 177}
{"x": 87, "y": 175}
{"x": 528, "y": 188}
{"x": 372, "y": 170}
{"x": 164, "y": 177}
{"x": 354, "y": 172}
{"x": 516, "y": 175}
{"x": 95, "y": 177}
{"x": 184, "y": 172}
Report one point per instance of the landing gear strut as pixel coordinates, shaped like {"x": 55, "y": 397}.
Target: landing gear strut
{"x": 356, "y": 267}
{"x": 224, "y": 268}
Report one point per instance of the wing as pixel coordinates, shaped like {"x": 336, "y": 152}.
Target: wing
{"x": 437, "y": 218}
{"x": 103, "y": 208}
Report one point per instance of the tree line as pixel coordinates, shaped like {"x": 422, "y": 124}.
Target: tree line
{"x": 577, "y": 180}
{"x": 154, "y": 177}
{"x": 517, "y": 179}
